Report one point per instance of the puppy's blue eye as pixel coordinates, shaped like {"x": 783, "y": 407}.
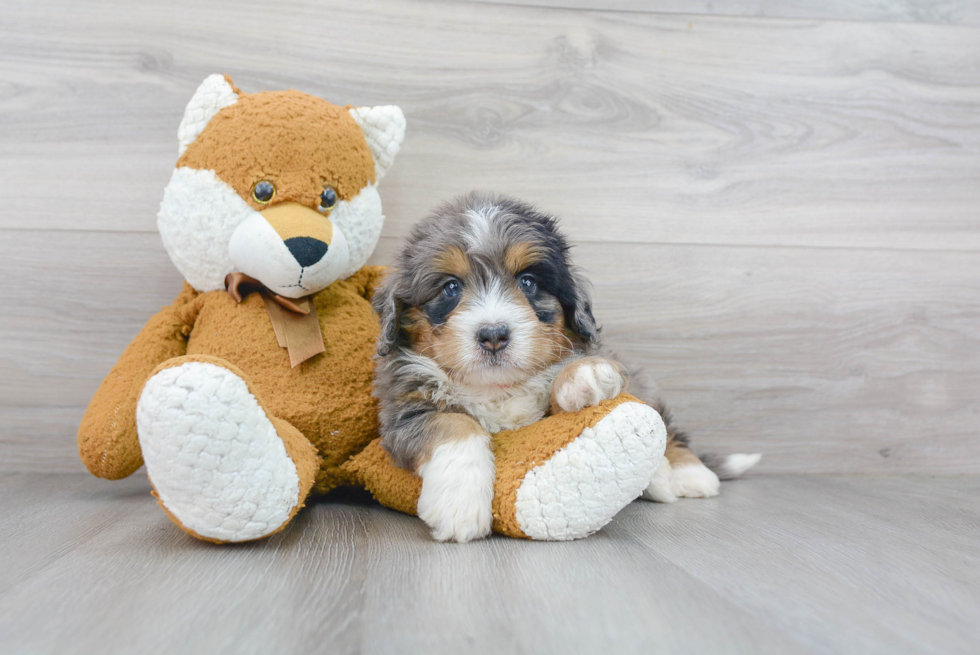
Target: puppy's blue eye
{"x": 452, "y": 289}
{"x": 528, "y": 284}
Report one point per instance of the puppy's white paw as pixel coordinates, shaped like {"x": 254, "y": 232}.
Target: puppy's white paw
{"x": 690, "y": 481}
{"x": 457, "y": 490}
{"x": 660, "y": 489}
{"x": 694, "y": 481}
{"x": 588, "y": 382}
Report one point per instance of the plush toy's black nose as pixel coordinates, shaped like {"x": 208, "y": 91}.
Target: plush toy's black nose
{"x": 306, "y": 250}
{"x": 493, "y": 338}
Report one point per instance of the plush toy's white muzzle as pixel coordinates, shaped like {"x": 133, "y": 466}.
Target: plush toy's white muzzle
{"x": 291, "y": 249}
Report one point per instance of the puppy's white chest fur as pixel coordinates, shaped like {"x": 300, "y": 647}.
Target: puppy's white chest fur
{"x": 495, "y": 407}
{"x": 505, "y": 409}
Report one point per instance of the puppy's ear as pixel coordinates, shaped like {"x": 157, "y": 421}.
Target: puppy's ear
{"x": 386, "y": 304}
{"x": 582, "y": 321}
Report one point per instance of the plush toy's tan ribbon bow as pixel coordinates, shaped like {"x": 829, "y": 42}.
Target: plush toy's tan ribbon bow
{"x": 294, "y": 321}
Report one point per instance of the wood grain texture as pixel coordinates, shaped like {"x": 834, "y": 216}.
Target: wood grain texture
{"x": 951, "y": 12}
{"x": 634, "y": 127}
{"x": 826, "y": 360}
{"x": 780, "y": 215}
{"x": 805, "y": 564}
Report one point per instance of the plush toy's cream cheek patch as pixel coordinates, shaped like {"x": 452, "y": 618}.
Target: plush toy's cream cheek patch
{"x": 360, "y": 221}
{"x": 198, "y": 216}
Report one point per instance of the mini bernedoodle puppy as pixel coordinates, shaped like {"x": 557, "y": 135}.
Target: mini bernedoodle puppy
{"x": 487, "y": 326}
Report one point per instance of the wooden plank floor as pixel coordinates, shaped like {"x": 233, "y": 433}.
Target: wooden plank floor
{"x": 804, "y": 564}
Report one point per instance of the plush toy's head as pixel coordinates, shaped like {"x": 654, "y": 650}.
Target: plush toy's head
{"x": 281, "y": 186}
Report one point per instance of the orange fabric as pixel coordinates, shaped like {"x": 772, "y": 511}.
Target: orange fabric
{"x": 294, "y": 321}
{"x": 107, "y": 441}
{"x": 327, "y": 398}
{"x": 296, "y": 141}
{"x": 516, "y": 451}
{"x": 299, "y": 449}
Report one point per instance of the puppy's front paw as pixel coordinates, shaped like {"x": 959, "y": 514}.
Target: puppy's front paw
{"x": 457, "y": 490}
{"x": 695, "y": 481}
{"x": 688, "y": 481}
{"x": 586, "y": 382}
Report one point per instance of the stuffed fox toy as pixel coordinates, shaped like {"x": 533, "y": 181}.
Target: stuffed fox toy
{"x": 253, "y": 389}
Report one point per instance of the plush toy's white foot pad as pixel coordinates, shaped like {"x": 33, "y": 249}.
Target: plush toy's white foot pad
{"x": 584, "y": 485}
{"x": 215, "y": 459}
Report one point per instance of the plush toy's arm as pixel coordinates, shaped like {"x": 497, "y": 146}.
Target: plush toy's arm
{"x": 368, "y": 279}
{"x": 107, "y": 441}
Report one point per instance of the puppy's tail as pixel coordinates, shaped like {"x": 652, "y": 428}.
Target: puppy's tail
{"x": 729, "y": 467}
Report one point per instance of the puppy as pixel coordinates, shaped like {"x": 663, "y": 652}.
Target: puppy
{"x": 487, "y": 326}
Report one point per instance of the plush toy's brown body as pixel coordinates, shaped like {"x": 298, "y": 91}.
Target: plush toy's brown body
{"x": 327, "y": 398}
{"x": 235, "y": 426}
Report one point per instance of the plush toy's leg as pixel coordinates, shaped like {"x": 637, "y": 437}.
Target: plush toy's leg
{"x": 561, "y": 478}
{"x": 221, "y": 468}
{"x": 567, "y": 476}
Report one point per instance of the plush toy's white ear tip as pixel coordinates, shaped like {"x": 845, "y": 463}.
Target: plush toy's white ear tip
{"x": 384, "y": 129}
{"x": 214, "y": 94}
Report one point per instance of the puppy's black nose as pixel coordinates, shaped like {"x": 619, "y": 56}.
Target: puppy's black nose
{"x": 306, "y": 250}
{"x": 493, "y": 338}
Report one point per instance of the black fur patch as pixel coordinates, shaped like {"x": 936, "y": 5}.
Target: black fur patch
{"x": 439, "y": 308}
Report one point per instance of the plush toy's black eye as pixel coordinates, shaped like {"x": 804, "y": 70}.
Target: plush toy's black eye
{"x": 263, "y": 192}
{"x": 527, "y": 283}
{"x": 328, "y": 199}
{"x": 452, "y": 289}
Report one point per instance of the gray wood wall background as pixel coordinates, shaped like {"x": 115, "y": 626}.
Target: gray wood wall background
{"x": 778, "y": 202}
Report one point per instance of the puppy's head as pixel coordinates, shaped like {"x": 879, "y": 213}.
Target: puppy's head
{"x": 484, "y": 287}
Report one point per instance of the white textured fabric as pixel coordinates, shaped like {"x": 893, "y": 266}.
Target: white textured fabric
{"x": 213, "y": 456}
{"x": 257, "y": 250}
{"x": 584, "y": 485}
{"x": 198, "y": 215}
{"x": 361, "y": 221}
{"x": 384, "y": 130}
{"x": 212, "y": 96}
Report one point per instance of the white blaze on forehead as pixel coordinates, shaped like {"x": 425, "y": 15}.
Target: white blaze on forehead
{"x": 492, "y": 306}
{"x": 480, "y": 231}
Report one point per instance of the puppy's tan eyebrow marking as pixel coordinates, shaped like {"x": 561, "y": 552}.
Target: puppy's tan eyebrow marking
{"x": 453, "y": 261}
{"x": 521, "y": 255}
